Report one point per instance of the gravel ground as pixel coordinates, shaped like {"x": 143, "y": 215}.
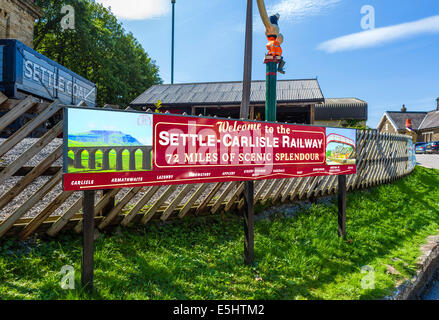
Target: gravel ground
{"x": 35, "y": 185}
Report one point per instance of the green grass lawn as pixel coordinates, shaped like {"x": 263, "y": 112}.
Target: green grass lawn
{"x": 296, "y": 258}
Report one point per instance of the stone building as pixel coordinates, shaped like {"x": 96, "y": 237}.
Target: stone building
{"x": 17, "y": 18}
{"x": 424, "y": 125}
{"x": 338, "y": 112}
{"x": 298, "y": 101}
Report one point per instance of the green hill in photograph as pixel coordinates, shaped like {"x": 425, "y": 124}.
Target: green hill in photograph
{"x": 96, "y": 138}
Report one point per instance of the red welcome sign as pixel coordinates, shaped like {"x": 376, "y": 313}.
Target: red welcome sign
{"x": 113, "y": 149}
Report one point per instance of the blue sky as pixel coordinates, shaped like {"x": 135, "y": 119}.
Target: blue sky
{"x": 85, "y": 120}
{"x": 394, "y": 64}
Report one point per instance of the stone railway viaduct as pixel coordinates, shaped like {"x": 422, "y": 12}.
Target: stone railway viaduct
{"x": 146, "y": 156}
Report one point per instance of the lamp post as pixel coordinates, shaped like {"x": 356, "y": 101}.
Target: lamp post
{"x": 249, "y": 255}
{"x": 172, "y": 50}
{"x": 271, "y": 31}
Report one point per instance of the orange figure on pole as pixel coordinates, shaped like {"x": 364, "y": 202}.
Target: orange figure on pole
{"x": 273, "y": 46}
{"x": 275, "y": 39}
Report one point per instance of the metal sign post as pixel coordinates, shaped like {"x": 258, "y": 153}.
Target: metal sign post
{"x": 244, "y": 113}
{"x": 172, "y": 49}
{"x": 271, "y": 99}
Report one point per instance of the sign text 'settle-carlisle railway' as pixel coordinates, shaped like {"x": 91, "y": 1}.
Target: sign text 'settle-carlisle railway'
{"x": 106, "y": 149}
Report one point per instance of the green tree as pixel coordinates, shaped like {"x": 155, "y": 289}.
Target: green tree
{"x": 98, "y": 48}
{"x": 354, "y": 124}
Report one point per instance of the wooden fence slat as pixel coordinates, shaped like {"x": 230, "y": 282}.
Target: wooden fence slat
{"x": 279, "y": 190}
{"x": 139, "y": 205}
{"x": 332, "y": 185}
{"x": 234, "y": 197}
{"x": 65, "y": 218}
{"x": 187, "y": 188}
{"x": 296, "y": 188}
{"x": 370, "y": 154}
{"x": 102, "y": 203}
{"x": 361, "y": 161}
{"x": 270, "y": 191}
{"x": 203, "y": 205}
{"x": 261, "y": 190}
{"x": 360, "y": 143}
{"x": 303, "y": 187}
{"x": 383, "y": 155}
{"x": 153, "y": 209}
{"x": 188, "y": 205}
{"x": 312, "y": 186}
{"x": 223, "y": 196}
{"x": 31, "y": 176}
{"x": 286, "y": 192}
{"x": 24, "y": 131}
{"x": 118, "y": 208}
{"x": 16, "y": 112}
{"x": 30, "y": 152}
{"x": 321, "y": 186}
{"x": 34, "y": 199}
{"x": 43, "y": 215}
{"x": 3, "y": 98}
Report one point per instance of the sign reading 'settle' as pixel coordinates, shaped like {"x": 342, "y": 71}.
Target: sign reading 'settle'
{"x": 113, "y": 149}
{"x": 26, "y": 70}
{"x": 53, "y": 80}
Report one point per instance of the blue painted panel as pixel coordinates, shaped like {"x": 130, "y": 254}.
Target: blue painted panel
{"x": 29, "y": 71}
{"x": 1, "y": 63}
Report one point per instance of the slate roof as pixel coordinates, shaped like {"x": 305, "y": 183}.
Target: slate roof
{"x": 431, "y": 120}
{"x": 399, "y": 118}
{"x": 229, "y": 93}
{"x": 341, "y": 109}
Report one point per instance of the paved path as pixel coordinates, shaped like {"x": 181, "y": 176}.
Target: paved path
{"x": 428, "y": 160}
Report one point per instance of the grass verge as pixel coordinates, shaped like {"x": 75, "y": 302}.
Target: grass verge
{"x": 296, "y": 258}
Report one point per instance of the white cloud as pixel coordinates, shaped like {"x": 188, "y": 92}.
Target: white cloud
{"x": 379, "y": 36}
{"x": 137, "y": 9}
{"x": 299, "y": 9}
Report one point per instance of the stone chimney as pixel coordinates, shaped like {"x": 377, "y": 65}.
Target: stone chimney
{"x": 403, "y": 109}
{"x": 437, "y": 101}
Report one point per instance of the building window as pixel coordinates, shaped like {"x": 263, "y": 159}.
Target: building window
{"x": 387, "y": 127}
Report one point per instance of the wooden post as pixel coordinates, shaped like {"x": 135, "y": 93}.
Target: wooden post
{"x": 249, "y": 225}
{"x": 245, "y": 113}
{"x": 312, "y": 114}
{"x": 342, "y": 206}
{"x": 110, "y": 205}
{"x": 87, "y": 240}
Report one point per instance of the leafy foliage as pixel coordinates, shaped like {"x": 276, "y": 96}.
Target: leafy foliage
{"x": 355, "y": 124}
{"x": 98, "y": 49}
